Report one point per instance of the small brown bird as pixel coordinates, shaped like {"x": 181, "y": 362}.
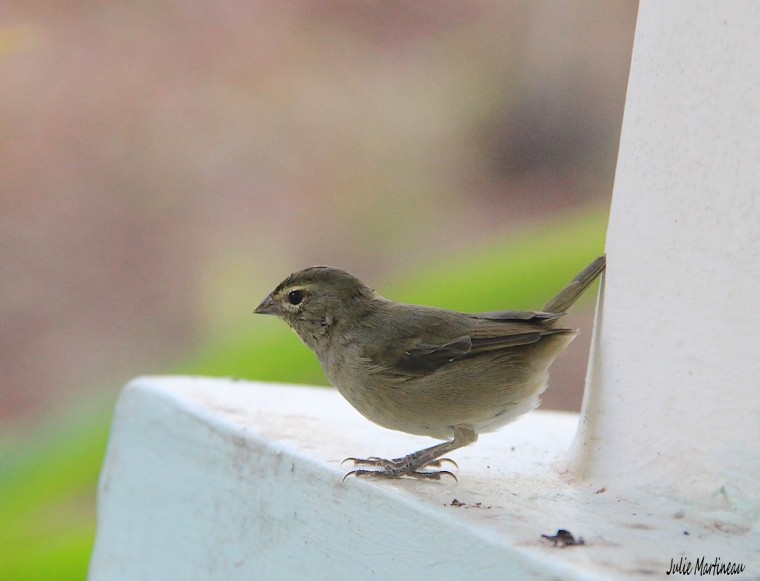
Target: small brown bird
{"x": 423, "y": 370}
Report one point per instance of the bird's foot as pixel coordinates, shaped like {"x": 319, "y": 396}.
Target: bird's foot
{"x": 400, "y": 467}
{"x": 392, "y": 473}
{"x": 398, "y": 462}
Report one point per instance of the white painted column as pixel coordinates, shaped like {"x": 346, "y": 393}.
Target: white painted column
{"x": 673, "y": 396}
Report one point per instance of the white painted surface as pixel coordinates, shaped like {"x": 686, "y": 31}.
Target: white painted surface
{"x": 673, "y": 401}
{"x": 224, "y": 480}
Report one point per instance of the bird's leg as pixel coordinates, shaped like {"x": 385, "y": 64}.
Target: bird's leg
{"x": 412, "y": 464}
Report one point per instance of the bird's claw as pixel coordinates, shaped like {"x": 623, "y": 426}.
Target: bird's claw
{"x": 393, "y": 473}
{"x": 373, "y": 461}
{"x": 397, "y": 462}
{"x": 439, "y": 462}
{"x": 398, "y": 468}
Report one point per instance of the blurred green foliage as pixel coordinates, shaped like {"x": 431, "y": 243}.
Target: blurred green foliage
{"x": 48, "y": 478}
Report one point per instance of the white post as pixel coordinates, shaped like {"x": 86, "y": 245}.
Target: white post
{"x": 673, "y": 396}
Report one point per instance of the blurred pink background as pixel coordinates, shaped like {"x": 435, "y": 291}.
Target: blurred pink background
{"x": 163, "y": 164}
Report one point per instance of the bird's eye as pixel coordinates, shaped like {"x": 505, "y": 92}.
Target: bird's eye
{"x": 295, "y": 297}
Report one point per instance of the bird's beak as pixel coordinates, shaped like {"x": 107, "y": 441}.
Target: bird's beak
{"x": 267, "y": 307}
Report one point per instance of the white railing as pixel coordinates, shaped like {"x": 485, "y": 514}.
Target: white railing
{"x": 215, "y": 479}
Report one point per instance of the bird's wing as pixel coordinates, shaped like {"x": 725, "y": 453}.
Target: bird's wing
{"x": 532, "y": 316}
{"x": 425, "y": 351}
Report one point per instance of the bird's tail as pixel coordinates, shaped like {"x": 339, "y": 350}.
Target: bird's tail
{"x": 580, "y": 283}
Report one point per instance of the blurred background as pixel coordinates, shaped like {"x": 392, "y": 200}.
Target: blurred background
{"x": 164, "y": 165}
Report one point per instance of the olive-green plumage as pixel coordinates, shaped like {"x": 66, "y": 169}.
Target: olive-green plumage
{"x": 425, "y": 370}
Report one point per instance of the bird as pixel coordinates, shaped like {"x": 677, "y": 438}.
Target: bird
{"x": 424, "y": 370}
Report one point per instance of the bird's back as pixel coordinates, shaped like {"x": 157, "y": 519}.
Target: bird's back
{"x": 424, "y": 370}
